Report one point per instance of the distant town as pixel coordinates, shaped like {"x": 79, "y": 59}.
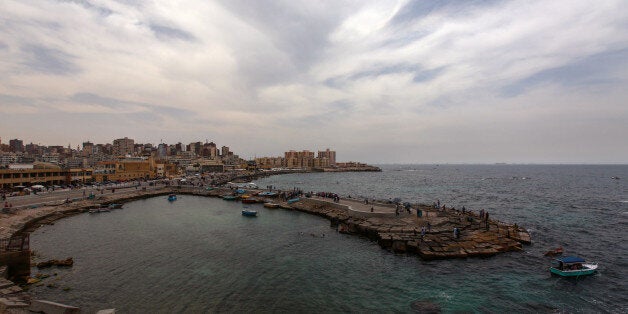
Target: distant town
{"x": 25, "y": 165}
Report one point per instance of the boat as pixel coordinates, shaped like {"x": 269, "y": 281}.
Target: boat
{"x": 554, "y": 252}
{"x": 114, "y": 206}
{"x": 271, "y": 205}
{"x": 572, "y": 266}
{"x": 172, "y": 197}
{"x": 229, "y": 197}
{"x": 249, "y": 213}
{"x": 269, "y": 194}
{"x": 249, "y": 200}
{"x": 293, "y": 200}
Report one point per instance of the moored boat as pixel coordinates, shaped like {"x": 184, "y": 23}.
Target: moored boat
{"x": 293, "y": 200}
{"x": 271, "y": 205}
{"x": 229, "y": 197}
{"x": 249, "y": 200}
{"x": 572, "y": 266}
{"x": 172, "y": 197}
{"x": 115, "y": 206}
{"x": 249, "y": 213}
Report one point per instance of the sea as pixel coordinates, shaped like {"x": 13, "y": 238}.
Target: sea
{"x": 200, "y": 255}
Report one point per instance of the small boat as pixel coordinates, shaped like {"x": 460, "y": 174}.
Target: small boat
{"x": 99, "y": 210}
{"x": 269, "y": 194}
{"x": 249, "y": 213}
{"x": 229, "y": 197}
{"x": 615, "y": 178}
{"x": 271, "y": 205}
{"x": 554, "y": 252}
{"x": 114, "y": 206}
{"x": 572, "y": 266}
{"x": 249, "y": 200}
{"x": 293, "y": 200}
{"x": 172, "y": 197}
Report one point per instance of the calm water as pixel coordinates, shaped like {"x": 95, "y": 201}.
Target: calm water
{"x": 200, "y": 255}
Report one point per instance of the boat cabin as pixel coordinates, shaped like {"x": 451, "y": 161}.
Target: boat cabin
{"x": 569, "y": 263}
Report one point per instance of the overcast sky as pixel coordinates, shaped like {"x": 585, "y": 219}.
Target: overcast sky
{"x": 377, "y": 81}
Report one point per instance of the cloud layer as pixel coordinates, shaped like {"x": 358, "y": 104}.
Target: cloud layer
{"x": 378, "y": 81}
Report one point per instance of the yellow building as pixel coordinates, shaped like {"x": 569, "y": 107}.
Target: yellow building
{"x": 133, "y": 169}
{"x": 42, "y": 174}
{"x": 124, "y": 170}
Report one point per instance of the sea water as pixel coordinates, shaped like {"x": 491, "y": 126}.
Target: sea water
{"x": 198, "y": 255}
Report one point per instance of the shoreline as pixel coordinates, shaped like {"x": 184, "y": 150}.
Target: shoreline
{"x": 398, "y": 231}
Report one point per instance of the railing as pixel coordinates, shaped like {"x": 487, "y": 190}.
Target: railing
{"x": 15, "y": 244}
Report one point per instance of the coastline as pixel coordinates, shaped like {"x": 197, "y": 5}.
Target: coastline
{"x": 375, "y": 221}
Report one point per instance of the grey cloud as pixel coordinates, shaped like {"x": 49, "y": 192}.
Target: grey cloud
{"x": 16, "y": 100}
{"x": 49, "y": 60}
{"x": 295, "y": 31}
{"x": 417, "y": 9}
{"x": 593, "y": 70}
{"x": 86, "y": 4}
{"x": 117, "y": 104}
{"x": 166, "y": 32}
{"x": 420, "y": 74}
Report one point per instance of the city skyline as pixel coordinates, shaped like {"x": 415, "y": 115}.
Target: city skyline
{"x": 381, "y": 82}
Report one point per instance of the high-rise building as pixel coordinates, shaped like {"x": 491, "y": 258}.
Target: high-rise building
{"x": 88, "y": 148}
{"x": 123, "y": 146}
{"x": 17, "y": 146}
{"x": 329, "y": 154}
{"x": 224, "y": 151}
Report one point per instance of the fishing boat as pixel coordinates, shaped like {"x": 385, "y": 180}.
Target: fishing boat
{"x": 249, "y": 200}
{"x": 172, "y": 197}
{"x": 249, "y": 213}
{"x": 572, "y": 266}
{"x": 269, "y": 194}
{"x": 271, "y": 205}
{"x": 293, "y": 200}
{"x": 229, "y": 197}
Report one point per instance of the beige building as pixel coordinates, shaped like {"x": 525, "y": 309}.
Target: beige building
{"x": 42, "y": 174}
{"x": 123, "y": 146}
{"x": 329, "y": 154}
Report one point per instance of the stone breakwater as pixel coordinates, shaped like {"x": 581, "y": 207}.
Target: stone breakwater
{"x": 378, "y": 222}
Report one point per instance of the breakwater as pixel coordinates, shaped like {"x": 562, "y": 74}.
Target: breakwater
{"x": 427, "y": 231}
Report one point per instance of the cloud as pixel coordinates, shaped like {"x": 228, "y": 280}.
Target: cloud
{"x": 48, "y": 60}
{"x": 406, "y": 74}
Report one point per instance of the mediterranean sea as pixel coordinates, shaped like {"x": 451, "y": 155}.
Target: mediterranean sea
{"x": 199, "y": 255}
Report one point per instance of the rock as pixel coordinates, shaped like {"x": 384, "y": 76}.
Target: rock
{"x": 425, "y": 307}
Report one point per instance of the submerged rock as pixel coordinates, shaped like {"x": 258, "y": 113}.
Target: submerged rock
{"x": 426, "y": 307}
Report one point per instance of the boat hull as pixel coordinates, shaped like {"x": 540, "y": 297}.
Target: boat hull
{"x": 572, "y": 273}
{"x": 249, "y": 213}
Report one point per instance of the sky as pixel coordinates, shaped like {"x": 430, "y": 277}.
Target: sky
{"x": 377, "y": 81}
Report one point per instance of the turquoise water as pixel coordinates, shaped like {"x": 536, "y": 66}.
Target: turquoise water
{"x": 200, "y": 255}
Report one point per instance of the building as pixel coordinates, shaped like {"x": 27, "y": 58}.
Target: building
{"x": 123, "y": 146}
{"x": 88, "y": 149}
{"x": 329, "y": 154}
{"x": 211, "y": 165}
{"x": 41, "y": 173}
{"x": 17, "y": 146}
{"x": 124, "y": 170}
{"x": 224, "y": 151}
{"x": 302, "y": 159}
